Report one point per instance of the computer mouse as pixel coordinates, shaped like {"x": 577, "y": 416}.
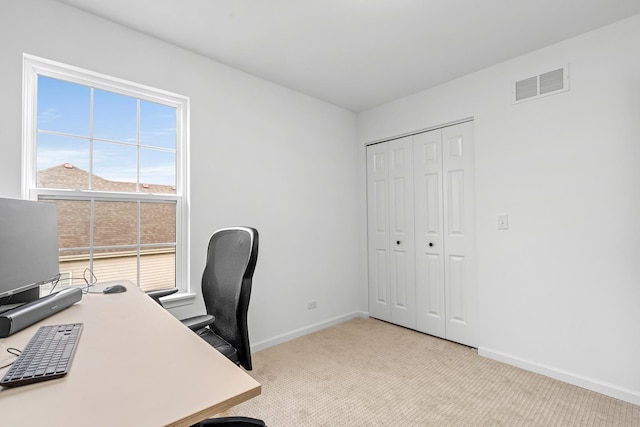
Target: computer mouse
{"x": 114, "y": 289}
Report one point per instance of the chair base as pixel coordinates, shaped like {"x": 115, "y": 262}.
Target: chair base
{"x": 231, "y": 422}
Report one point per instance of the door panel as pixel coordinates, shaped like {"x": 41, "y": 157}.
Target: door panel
{"x": 430, "y": 307}
{"x": 380, "y": 202}
{"x": 380, "y": 277}
{"x": 430, "y": 190}
{"x": 459, "y": 236}
{"x": 455, "y": 206}
{"x": 390, "y": 231}
{"x": 456, "y": 302}
{"x": 398, "y": 207}
{"x": 434, "y": 275}
{"x": 378, "y": 231}
{"x": 401, "y": 238}
{"x": 400, "y": 280}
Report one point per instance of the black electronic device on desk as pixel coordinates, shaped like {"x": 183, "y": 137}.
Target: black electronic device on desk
{"x": 29, "y": 258}
{"x": 27, "y": 314}
{"x": 47, "y": 356}
{"x": 115, "y": 289}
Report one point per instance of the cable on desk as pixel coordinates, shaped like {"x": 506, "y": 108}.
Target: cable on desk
{"x": 14, "y": 352}
{"x": 55, "y": 282}
{"x": 92, "y": 280}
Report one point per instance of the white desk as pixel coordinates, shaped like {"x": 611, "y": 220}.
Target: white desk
{"x": 135, "y": 365}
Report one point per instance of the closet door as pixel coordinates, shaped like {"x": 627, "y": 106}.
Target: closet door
{"x": 429, "y": 223}
{"x": 446, "y": 288}
{"x": 401, "y": 228}
{"x": 391, "y": 231}
{"x": 378, "y": 231}
{"x": 461, "y": 290}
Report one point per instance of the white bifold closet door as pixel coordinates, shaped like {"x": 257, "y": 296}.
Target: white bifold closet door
{"x": 390, "y": 230}
{"x": 421, "y": 231}
{"x": 446, "y": 285}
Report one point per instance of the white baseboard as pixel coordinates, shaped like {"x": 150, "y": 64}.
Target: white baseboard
{"x": 611, "y": 390}
{"x": 306, "y": 330}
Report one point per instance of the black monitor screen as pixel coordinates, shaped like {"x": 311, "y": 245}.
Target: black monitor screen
{"x": 28, "y": 244}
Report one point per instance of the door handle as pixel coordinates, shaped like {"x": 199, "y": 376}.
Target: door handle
{"x": 397, "y": 242}
{"x": 430, "y": 244}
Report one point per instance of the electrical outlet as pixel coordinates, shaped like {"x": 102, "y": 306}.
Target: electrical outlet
{"x": 311, "y": 305}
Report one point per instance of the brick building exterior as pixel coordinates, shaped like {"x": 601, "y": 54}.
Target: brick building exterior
{"x": 115, "y": 224}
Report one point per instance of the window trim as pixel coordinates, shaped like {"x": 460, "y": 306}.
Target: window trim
{"x": 34, "y": 66}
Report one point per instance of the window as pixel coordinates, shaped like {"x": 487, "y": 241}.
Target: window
{"x": 112, "y": 155}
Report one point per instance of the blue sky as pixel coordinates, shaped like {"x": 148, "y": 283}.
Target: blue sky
{"x": 65, "y": 108}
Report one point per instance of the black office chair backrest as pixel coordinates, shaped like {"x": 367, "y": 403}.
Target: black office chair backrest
{"x": 226, "y": 285}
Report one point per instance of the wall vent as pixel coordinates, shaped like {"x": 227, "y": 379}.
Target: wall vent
{"x": 548, "y": 83}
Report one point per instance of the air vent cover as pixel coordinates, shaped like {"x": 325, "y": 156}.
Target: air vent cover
{"x": 527, "y": 88}
{"x": 547, "y": 83}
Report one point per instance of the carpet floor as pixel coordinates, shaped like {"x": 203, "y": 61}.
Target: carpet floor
{"x": 365, "y": 372}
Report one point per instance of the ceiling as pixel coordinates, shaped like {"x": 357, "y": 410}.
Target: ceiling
{"x": 358, "y": 54}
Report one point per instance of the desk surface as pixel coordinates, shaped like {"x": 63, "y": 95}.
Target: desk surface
{"x": 135, "y": 365}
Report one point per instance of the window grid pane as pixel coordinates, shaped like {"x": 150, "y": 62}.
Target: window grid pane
{"x": 63, "y": 107}
{"x": 115, "y": 224}
{"x": 115, "y": 117}
{"x": 62, "y": 162}
{"x": 114, "y": 167}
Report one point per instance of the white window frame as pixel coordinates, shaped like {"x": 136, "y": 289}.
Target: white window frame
{"x": 34, "y": 66}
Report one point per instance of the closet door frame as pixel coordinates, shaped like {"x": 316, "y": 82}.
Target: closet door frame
{"x": 422, "y": 250}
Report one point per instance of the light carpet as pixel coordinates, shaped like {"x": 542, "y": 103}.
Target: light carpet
{"x": 365, "y": 372}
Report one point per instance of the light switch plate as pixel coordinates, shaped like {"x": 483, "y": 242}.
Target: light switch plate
{"x": 503, "y": 222}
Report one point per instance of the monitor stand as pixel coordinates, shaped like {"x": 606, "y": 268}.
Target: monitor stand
{"x": 20, "y": 298}
{"x": 27, "y": 296}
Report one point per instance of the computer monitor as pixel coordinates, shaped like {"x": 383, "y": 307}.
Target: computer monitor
{"x": 28, "y": 247}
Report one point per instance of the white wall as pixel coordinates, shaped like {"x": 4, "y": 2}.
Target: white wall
{"x": 559, "y": 291}
{"x": 261, "y": 155}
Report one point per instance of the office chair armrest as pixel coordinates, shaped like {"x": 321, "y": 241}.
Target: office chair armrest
{"x": 157, "y": 294}
{"x": 198, "y": 322}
